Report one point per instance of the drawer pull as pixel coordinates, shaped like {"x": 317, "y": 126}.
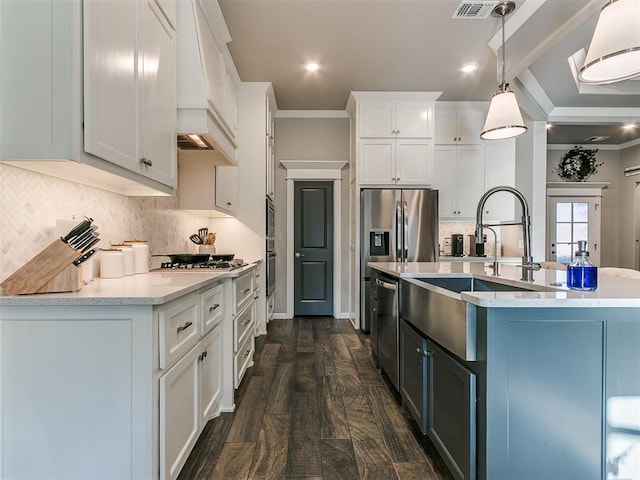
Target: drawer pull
{"x": 246, "y": 322}
{"x": 246, "y": 291}
{"x": 184, "y": 327}
{"x": 202, "y": 356}
{"x": 256, "y": 297}
{"x": 246, "y": 354}
{"x": 211, "y": 309}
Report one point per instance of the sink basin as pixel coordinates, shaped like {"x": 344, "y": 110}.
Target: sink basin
{"x": 442, "y": 315}
{"x": 467, "y": 284}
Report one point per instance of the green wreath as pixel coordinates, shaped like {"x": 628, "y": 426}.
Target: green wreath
{"x": 578, "y": 164}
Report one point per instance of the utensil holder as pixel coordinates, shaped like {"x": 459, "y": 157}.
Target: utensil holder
{"x": 50, "y": 271}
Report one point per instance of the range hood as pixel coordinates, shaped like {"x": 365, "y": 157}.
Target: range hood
{"x": 204, "y": 129}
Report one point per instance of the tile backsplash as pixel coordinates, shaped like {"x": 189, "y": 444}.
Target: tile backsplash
{"x": 446, "y": 229}
{"x": 30, "y": 203}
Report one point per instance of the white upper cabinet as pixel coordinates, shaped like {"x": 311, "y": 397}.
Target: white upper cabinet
{"x": 47, "y": 108}
{"x": 394, "y": 141}
{"x": 384, "y": 120}
{"x": 459, "y": 178}
{"x": 227, "y": 189}
{"x": 500, "y": 169}
{"x": 130, "y": 84}
{"x": 459, "y": 123}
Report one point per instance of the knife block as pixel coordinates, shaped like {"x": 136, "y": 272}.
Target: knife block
{"x": 50, "y": 271}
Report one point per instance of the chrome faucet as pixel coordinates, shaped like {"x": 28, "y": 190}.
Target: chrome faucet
{"x": 527, "y": 260}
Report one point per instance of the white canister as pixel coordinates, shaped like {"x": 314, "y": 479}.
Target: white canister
{"x": 111, "y": 263}
{"x": 127, "y": 258}
{"x": 140, "y": 255}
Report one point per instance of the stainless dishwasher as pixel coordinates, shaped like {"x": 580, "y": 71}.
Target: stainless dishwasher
{"x": 388, "y": 320}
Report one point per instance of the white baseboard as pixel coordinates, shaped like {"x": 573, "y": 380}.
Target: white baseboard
{"x": 341, "y": 316}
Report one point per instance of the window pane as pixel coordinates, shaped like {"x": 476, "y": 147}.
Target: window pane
{"x": 563, "y": 233}
{"x": 580, "y": 212}
{"x": 580, "y": 231}
{"x": 563, "y": 212}
{"x": 563, "y": 253}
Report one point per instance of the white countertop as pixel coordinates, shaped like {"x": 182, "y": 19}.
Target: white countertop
{"x": 612, "y": 291}
{"x": 468, "y": 258}
{"x": 153, "y": 288}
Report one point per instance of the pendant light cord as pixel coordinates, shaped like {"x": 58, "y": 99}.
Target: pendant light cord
{"x": 503, "y": 51}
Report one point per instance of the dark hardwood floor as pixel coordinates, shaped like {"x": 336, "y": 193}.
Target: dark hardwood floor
{"x": 315, "y": 407}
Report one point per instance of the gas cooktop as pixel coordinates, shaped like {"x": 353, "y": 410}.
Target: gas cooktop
{"x": 217, "y": 265}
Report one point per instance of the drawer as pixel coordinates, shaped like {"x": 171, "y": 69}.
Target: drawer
{"x": 243, "y": 290}
{"x": 242, "y": 326}
{"x": 212, "y": 308}
{"x": 258, "y": 278}
{"x": 243, "y": 360}
{"x": 178, "y": 329}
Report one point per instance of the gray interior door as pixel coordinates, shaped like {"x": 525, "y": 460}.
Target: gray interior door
{"x": 313, "y": 247}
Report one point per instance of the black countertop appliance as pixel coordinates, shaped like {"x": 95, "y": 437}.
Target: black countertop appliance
{"x": 457, "y": 249}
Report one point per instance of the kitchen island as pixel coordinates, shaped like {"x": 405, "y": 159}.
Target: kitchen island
{"x": 525, "y": 380}
{"x": 118, "y": 379}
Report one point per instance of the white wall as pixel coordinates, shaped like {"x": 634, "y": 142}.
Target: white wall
{"x": 629, "y": 208}
{"x": 30, "y": 203}
{"x": 310, "y": 139}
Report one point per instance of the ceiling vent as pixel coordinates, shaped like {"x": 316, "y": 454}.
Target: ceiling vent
{"x": 474, "y": 10}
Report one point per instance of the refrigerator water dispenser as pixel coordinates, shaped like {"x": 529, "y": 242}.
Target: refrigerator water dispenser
{"x": 379, "y": 243}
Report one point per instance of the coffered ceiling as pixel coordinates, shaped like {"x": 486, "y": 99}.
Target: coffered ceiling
{"x": 405, "y": 45}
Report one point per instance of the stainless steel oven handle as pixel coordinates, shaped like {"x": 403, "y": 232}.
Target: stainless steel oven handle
{"x": 387, "y": 285}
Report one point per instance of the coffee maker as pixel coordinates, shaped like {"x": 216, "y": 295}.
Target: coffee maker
{"x": 457, "y": 242}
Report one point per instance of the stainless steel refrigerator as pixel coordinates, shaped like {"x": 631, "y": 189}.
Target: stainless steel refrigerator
{"x": 396, "y": 225}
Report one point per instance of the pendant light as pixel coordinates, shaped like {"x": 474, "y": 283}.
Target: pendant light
{"x": 614, "y": 53}
{"x": 504, "y": 119}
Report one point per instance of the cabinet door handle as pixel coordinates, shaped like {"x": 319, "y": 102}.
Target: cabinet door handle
{"x": 244, "y": 292}
{"x": 246, "y": 354}
{"x": 228, "y": 204}
{"x": 211, "y": 309}
{"x": 202, "y": 356}
{"x": 146, "y": 161}
{"x": 184, "y": 327}
{"x": 418, "y": 350}
{"x": 426, "y": 353}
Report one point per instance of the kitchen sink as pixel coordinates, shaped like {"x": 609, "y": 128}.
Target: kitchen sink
{"x": 468, "y": 284}
{"x": 435, "y": 307}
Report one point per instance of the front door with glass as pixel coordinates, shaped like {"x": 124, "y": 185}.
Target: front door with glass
{"x": 570, "y": 219}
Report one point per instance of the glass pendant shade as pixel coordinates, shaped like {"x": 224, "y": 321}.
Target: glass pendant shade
{"x": 614, "y": 53}
{"x": 504, "y": 119}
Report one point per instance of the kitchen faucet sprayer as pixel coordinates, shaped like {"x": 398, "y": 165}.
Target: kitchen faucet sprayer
{"x": 527, "y": 261}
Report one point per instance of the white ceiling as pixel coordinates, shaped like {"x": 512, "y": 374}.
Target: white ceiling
{"x": 416, "y": 45}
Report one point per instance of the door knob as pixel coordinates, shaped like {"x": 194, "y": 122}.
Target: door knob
{"x": 298, "y": 254}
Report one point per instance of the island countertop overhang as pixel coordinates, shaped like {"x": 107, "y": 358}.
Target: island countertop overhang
{"x": 548, "y": 288}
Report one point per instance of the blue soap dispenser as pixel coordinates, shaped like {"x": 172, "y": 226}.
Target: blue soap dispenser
{"x": 581, "y": 273}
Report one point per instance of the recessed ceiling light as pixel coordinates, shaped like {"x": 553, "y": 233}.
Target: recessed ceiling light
{"x": 312, "y": 66}
{"x": 549, "y": 126}
{"x": 629, "y": 126}
{"x": 469, "y": 67}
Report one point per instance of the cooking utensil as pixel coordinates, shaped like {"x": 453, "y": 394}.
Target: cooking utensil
{"x": 196, "y": 239}
{"x": 86, "y": 256}
{"x": 210, "y": 239}
{"x": 203, "y": 232}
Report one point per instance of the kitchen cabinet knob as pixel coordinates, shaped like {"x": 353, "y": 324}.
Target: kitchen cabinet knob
{"x": 246, "y": 322}
{"x": 298, "y": 255}
{"x": 427, "y": 353}
{"x": 245, "y": 291}
{"x": 184, "y": 327}
{"x": 146, "y": 161}
{"x": 228, "y": 204}
{"x": 211, "y": 309}
{"x": 246, "y": 354}
{"x": 419, "y": 351}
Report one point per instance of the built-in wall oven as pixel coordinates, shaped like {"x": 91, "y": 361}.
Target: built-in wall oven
{"x": 270, "y": 270}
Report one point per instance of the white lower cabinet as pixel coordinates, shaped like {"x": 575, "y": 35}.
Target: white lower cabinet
{"x": 210, "y": 373}
{"x": 179, "y": 415}
{"x": 243, "y": 325}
